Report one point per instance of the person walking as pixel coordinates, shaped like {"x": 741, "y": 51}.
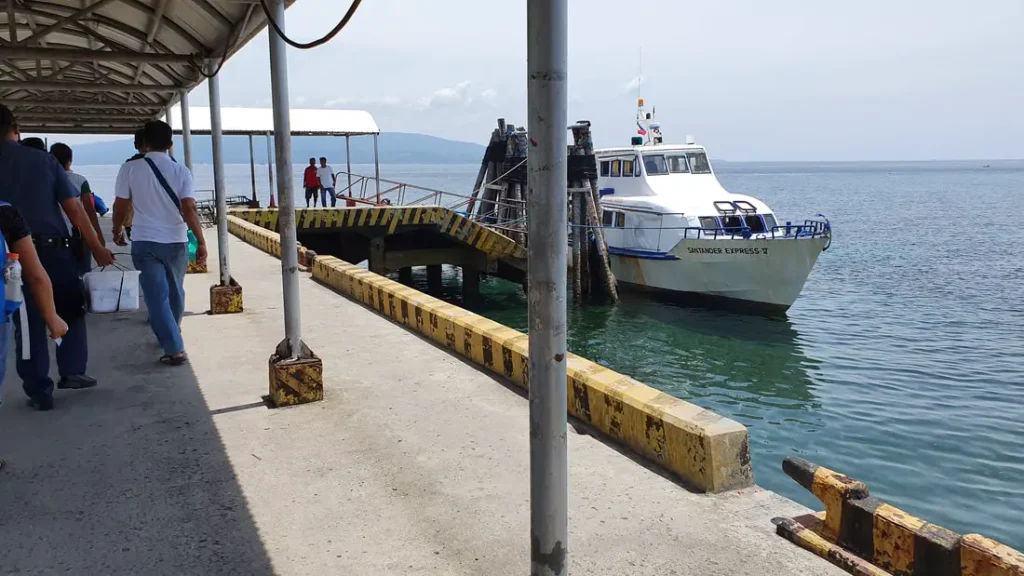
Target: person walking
{"x": 162, "y": 193}
{"x": 15, "y": 238}
{"x": 327, "y": 178}
{"x": 64, "y": 155}
{"x": 35, "y": 183}
{"x": 311, "y": 182}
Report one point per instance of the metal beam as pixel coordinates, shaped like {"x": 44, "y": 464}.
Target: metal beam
{"x": 74, "y": 105}
{"x": 219, "y": 187}
{"x": 87, "y": 86}
{"x": 74, "y": 16}
{"x": 12, "y": 21}
{"x": 186, "y": 129}
{"x": 154, "y": 27}
{"x": 83, "y": 118}
{"x": 72, "y": 55}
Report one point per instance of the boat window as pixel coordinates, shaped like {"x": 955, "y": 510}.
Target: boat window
{"x": 655, "y": 164}
{"x": 699, "y": 163}
{"x": 769, "y": 222}
{"x": 732, "y": 223}
{"x": 620, "y": 219}
{"x": 627, "y": 168}
{"x": 606, "y": 220}
{"x": 754, "y": 222}
{"x": 605, "y": 167}
{"x": 677, "y": 165}
{"x": 616, "y": 166}
{"x": 708, "y": 222}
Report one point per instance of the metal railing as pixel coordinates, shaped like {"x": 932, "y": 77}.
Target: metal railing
{"x": 363, "y": 190}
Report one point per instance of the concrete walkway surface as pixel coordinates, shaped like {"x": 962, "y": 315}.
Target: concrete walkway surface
{"x": 416, "y": 463}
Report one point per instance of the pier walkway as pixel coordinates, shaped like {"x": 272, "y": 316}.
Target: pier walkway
{"x": 416, "y": 463}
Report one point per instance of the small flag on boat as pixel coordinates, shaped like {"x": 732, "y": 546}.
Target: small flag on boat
{"x": 640, "y": 129}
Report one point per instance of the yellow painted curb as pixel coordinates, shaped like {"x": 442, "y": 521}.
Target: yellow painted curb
{"x": 707, "y": 451}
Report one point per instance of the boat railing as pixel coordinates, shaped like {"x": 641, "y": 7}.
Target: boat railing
{"x": 808, "y": 229}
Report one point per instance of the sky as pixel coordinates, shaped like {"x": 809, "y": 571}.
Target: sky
{"x": 752, "y": 80}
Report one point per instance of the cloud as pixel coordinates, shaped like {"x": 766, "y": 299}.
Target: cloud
{"x": 457, "y": 95}
{"x": 392, "y": 101}
{"x": 489, "y": 95}
{"x": 633, "y": 84}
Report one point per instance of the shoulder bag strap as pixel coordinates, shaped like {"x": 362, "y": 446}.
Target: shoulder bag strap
{"x": 163, "y": 183}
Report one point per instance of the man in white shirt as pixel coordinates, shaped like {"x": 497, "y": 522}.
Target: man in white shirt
{"x": 162, "y": 194}
{"x": 326, "y": 174}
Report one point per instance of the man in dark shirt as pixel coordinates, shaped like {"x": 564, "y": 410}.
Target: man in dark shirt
{"x": 34, "y": 182}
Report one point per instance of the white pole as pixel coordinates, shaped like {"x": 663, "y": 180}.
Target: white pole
{"x": 547, "y": 100}
{"x": 220, "y": 192}
{"x": 286, "y": 206}
{"x": 186, "y": 130}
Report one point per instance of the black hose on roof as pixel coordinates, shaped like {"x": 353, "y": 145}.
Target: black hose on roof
{"x": 318, "y": 42}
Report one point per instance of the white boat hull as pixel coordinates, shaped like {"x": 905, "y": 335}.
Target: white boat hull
{"x": 761, "y": 275}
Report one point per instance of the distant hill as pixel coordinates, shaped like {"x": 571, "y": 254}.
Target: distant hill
{"x": 395, "y": 148}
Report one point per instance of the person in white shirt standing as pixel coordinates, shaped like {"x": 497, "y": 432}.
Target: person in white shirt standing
{"x": 162, "y": 193}
{"x": 326, "y": 174}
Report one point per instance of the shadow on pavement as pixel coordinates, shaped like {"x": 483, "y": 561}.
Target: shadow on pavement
{"x": 129, "y": 477}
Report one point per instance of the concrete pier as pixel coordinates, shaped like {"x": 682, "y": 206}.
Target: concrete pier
{"x": 415, "y": 463}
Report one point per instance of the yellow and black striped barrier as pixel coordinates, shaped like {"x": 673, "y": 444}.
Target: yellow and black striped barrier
{"x": 854, "y": 523}
{"x": 705, "y": 450}
{"x": 390, "y": 220}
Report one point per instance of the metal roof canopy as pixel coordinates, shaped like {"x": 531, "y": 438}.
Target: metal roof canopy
{"x": 258, "y": 121}
{"x": 107, "y": 66}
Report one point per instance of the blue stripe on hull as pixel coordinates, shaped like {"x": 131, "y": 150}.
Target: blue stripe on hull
{"x": 645, "y": 254}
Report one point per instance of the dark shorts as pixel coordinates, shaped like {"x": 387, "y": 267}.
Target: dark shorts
{"x": 311, "y": 193}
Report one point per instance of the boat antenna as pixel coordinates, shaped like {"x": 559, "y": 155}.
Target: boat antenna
{"x": 640, "y": 76}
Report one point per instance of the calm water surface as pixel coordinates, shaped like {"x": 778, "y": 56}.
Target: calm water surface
{"x": 902, "y": 363}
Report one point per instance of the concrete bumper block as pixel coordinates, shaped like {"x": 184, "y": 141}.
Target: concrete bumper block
{"x": 226, "y": 299}
{"x": 295, "y": 381}
{"x": 891, "y": 539}
{"x": 980, "y": 556}
{"x": 708, "y": 452}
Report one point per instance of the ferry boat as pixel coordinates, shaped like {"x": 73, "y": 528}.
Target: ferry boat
{"x": 671, "y": 227}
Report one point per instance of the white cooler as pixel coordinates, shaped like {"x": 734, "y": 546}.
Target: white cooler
{"x": 112, "y": 290}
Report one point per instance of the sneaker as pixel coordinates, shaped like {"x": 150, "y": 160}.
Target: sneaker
{"x": 76, "y": 382}
{"x": 41, "y": 403}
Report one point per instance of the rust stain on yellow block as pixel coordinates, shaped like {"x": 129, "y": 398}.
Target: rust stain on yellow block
{"x": 832, "y": 488}
{"x": 225, "y": 299}
{"x": 894, "y": 531}
{"x": 295, "y": 382}
{"x": 980, "y": 556}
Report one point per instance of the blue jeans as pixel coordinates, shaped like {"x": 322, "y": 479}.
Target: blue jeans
{"x": 162, "y": 279}
{"x": 69, "y": 296}
{"x": 324, "y": 193}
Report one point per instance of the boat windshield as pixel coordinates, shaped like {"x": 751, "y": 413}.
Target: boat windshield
{"x": 699, "y": 163}
{"x": 681, "y": 163}
{"x": 655, "y": 164}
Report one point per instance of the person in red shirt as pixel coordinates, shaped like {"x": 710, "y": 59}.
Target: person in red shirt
{"x": 311, "y": 180}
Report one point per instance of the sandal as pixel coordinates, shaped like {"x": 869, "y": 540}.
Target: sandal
{"x": 175, "y": 360}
